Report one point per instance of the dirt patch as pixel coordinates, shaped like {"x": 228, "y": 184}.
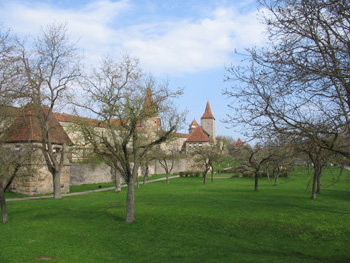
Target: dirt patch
{"x": 118, "y": 203}
{"x": 44, "y": 259}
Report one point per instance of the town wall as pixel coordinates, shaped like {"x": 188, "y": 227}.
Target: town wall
{"x": 90, "y": 174}
{"x": 38, "y": 180}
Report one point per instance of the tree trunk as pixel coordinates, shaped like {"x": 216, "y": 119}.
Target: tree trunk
{"x": 212, "y": 175}
{"x": 268, "y": 174}
{"x": 256, "y": 181}
{"x": 205, "y": 178}
{"x": 316, "y": 180}
{"x": 137, "y": 181}
{"x": 130, "y": 201}
{"x": 3, "y": 206}
{"x": 145, "y": 175}
{"x": 276, "y": 177}
{"x": 167, "y": 177}
{"x": 313, "y": 194}
{"x": 57, "y": 193}
{"x": 118, "y": 187}
{"x": 319, "y": 183}
{"x": 341, "y": 170}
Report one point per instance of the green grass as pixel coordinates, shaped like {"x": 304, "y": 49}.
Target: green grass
{"x": 187, "y": 221}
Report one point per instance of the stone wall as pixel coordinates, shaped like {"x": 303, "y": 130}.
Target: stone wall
{"x": 101, "y": 173}
{"x": 179, "y": 166}
{"x": 90, "y": 174}
{"x": 38, "y": 180}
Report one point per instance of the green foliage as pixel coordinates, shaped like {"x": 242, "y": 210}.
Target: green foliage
{"x": 276, "y": 224}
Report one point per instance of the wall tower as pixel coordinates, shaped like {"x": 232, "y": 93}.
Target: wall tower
{"x": 208, "y": 122}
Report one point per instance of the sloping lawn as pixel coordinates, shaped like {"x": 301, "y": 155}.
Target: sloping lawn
{"x": 186, "y": 221}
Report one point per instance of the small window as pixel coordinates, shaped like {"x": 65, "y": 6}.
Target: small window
{"x": 200, "y": 144}
{"x": 56, "y": 150}
{"x": 18, "y": 147}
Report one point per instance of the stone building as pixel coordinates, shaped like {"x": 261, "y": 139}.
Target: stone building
{"x": 26, "y": 130}
{"x": 199, "y": 135}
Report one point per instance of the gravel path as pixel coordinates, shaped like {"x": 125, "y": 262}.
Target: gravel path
{"x": 85, "y": 192}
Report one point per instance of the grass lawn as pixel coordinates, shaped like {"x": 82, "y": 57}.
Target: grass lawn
{"x": 187, "y": 221}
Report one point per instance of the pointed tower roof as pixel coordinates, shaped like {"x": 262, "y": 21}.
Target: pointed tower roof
{"x": 199, "y": 135}
{"x": 194, "y": 122}
{"x": 238, "y": 143}
{"x": 149, "y": 103}
{"x": 26, "y": 128}
{"x": 207, "y": 114}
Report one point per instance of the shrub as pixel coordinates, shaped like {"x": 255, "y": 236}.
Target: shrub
{"x": 247, "y": 174}
{"x": 227, "y": 170}
{"x": 262, "y": 174}
{"x": 236, "y": 175}
{"x": 284, "y": 174}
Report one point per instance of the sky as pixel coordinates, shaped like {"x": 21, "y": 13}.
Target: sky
{"x": 188, "y": 43}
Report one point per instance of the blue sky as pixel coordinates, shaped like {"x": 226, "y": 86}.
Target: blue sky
{"x": 187, "y": 42}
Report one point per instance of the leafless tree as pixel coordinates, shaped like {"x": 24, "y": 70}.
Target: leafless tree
{"x": 167, "y": 158}
{"x": 126, "y": 106}
{"x": 253, "y": 160}
{"x": 299, "y": 84}
{"x": 12, "y": 163}
{"x": 11, "y": 93}
{"x": 206, "y": 157}
{"x": 319, "y": 158}
{"x": 257, "y": 159}
{"x": 282, "y": 156}
{"x": 50, "y": 67}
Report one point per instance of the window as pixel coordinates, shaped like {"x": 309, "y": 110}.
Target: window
{"x": 18, "y": 147}
{"x": 56, "y": 150}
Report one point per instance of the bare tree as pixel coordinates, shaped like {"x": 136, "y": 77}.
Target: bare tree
{"x": 206, "y": 157}
{"x": 258, "y": 157}
{"x": 253, "y": 159}
{"x": 167, "y": 158}
{"x": 12, "y": 162}
{"x": 319, "y": 158}
{"x": 127, "y": 105}
{"x": 282, "y": 153}
{"x": 298, "y": 85}
{"x": 11, "y": 93}
{"x": 50, "y": 65}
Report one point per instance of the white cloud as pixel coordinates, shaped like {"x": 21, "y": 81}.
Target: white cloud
{"x": 188, "y": 46}
{"x": 169, "y": 47}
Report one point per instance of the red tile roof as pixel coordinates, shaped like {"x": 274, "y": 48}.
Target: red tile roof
{"x": 207, "y": 114}
{"x": 26, "y": 128}
{"x": 199, "y": 135}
